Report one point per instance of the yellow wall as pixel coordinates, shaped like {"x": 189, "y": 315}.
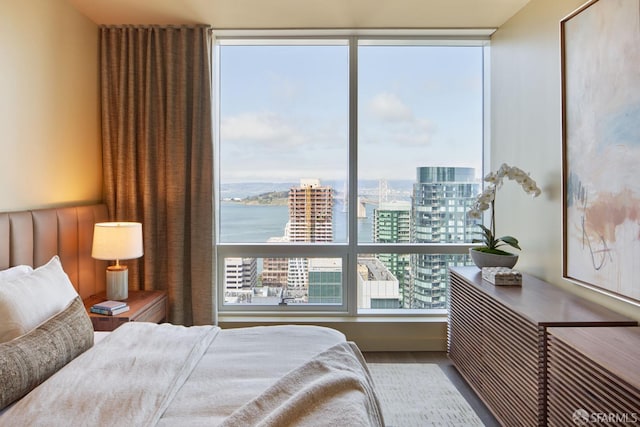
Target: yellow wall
{"x": 526, "y": 131}
{"x": 49, "y": 108}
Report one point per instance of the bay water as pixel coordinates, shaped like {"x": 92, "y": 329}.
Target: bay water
{"x": 246, "y": 223}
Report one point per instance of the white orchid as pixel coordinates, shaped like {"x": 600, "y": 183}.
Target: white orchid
{"x": 487, "y": 198}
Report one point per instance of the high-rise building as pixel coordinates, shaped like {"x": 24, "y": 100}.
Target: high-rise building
{"x": 310, "y": 212}
{"x": 240, "y": 273}
{"x": 275, "y": 270}
{"x": 440, "y": 201}
{"x": 392, "y": 224}
{"x": 240, "y": 277}
{"x": 310, "y": 220}
{"x": 325, "y": 280}
{"x": 378, "y": 288}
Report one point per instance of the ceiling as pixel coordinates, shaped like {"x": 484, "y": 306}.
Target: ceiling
{"x": 259, "y": 14}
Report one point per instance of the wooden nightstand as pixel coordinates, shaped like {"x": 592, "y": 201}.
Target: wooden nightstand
{"x": 145, "y": 306}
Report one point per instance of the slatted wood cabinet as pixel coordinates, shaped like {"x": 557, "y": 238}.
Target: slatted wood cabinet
{"x": 593, "y": 373}
{"x": 497, "y": 339}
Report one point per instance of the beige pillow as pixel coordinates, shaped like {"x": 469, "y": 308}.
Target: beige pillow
{"x": 28, "y": 360}
{"x": 30, "y": 300}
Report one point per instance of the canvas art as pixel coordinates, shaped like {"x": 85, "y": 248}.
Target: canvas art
{"x": 601, "y": 143}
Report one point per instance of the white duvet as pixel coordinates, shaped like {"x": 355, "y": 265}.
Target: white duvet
{"x": 144, "y": 374}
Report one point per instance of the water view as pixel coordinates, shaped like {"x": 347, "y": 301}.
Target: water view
{"x": 244, "y": 223}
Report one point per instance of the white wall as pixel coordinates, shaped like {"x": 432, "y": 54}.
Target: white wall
{"x": 49, "y": 108}
{"x": 526, "y": 131}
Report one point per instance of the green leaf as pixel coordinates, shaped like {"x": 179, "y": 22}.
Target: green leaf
{"x": 510, "y": 240}
{"x": 485, "y": 229}
{"x": 487, "y": 237}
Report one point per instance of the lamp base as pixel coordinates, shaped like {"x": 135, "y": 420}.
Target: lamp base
{"x": 117, "y": 282}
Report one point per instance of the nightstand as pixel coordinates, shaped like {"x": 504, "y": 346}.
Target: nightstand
{"x": 145, "y": 306}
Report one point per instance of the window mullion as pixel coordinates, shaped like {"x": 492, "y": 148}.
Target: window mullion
{"x": 352, "y": 257}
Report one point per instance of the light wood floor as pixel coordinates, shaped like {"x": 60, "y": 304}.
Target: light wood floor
{"x": 441, "y": 359}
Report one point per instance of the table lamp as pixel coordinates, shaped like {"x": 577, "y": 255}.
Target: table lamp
{"x": 115, "y": 241}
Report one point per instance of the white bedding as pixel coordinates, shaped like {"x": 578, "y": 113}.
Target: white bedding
{"x": 99, "y": 336}
{"x": 260, "y": 375}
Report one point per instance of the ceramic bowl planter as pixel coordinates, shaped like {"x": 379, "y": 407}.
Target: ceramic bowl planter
{"x": 484, "y": 259}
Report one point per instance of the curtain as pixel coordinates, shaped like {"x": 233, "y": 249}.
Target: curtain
{"x": 157, "y": 141}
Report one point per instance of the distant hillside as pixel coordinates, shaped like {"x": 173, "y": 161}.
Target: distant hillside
{"x": 270, "y": 198}
{"x": 240, "y": 190}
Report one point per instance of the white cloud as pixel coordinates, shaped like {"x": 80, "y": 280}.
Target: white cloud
{"x": 277, "y": 146}
{"x": 263, "y": 127}
{"x": 390, "y": 122}
{"x": 389, "y": 107}
{"x": 418, "y": 133}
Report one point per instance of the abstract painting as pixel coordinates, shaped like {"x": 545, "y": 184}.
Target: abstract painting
{"x": 600, "y": 53}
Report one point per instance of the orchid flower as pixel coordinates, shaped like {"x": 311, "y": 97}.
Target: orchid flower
{"x": 486, "y": 200}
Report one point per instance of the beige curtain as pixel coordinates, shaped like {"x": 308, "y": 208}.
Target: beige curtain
{"x": 158, "y": 157}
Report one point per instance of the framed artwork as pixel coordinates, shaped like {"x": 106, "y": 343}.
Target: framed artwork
{"x": 600, "y": 55}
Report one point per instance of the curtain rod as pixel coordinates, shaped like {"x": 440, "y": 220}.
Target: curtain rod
{"x": 143, "y": 26}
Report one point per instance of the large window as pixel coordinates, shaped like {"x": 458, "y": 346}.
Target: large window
{"x": 345, "y": 168}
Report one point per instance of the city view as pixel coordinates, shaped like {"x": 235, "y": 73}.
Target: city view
{"x": 431, "y": 210}
{"x": 296, "y": 117}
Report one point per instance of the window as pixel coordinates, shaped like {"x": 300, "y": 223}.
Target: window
{"x": 346, "y": 166}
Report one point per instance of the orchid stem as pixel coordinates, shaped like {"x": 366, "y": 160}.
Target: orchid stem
{"x": 493, "y": 220}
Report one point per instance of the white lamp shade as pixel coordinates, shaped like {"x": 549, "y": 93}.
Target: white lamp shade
{"x": 117, "y": 240}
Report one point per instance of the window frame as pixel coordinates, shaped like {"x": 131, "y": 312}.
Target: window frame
{"x": 347, "y": 252}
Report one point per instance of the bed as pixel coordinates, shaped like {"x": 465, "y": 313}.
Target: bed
{"x": 54, "y": 370}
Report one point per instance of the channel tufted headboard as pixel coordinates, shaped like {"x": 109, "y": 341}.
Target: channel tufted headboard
{"x": 32, "y": 237}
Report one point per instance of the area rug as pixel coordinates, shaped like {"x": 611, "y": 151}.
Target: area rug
{"x": 420, "y": 394}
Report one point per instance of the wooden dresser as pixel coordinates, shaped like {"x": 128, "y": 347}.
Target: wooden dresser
{"x": 593, "y": 374}
{"x": 497, "y": 339}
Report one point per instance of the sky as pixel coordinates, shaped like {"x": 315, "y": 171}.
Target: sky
{"x": 284, "y": 111}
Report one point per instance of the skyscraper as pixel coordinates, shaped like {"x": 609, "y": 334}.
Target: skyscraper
{"x": 392, "y": 224}
{"x": 440, "y": 201}
{"x": 310, "y": 212}
{"x": 310, "y": 220}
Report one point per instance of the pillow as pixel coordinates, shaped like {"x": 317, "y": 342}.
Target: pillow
{"x": 15, "y": 272}
{"x": 27, "y": 361}
{"x": 29, "y": 300}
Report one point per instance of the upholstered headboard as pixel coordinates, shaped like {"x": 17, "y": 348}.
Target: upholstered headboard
{"x": 33, "y": 237}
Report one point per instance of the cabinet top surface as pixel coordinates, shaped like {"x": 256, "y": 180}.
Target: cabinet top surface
{"x": 616, "y": 349}
{"x": 544, "y": 304}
